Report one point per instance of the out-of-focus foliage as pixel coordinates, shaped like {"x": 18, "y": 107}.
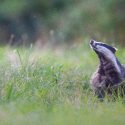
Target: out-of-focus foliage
{"x": 98, "y": 18}
{"x": 61, "y": 20}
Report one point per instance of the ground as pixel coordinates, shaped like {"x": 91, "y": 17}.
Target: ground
{"x": 51, "y": 87}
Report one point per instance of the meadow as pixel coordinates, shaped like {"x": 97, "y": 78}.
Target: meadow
{"x": 50, "y": 86}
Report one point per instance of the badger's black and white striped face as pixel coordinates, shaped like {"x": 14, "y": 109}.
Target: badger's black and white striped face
{"x": 102, "y": 47}
{"x": 105, "y": 53}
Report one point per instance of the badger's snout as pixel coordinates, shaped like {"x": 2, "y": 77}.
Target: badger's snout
{"x": 93, "y": 44}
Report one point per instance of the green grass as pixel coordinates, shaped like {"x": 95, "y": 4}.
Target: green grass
{"x": 51, "y": 87}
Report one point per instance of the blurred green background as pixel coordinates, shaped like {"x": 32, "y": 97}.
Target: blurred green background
{"x": 48, "y": 81}
{"x": 61, "y": 21}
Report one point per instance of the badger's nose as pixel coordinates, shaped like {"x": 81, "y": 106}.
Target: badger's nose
{"x": 91, "y": 42}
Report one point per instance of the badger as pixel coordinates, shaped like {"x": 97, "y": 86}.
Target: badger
{"x": 110, "y": 74}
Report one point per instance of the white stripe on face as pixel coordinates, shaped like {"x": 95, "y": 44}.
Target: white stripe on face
{"x": 109, "y": 55}
{"x": 94, "y": 43}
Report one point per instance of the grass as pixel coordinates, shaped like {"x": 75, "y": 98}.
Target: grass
{"x": 51, "y": 87}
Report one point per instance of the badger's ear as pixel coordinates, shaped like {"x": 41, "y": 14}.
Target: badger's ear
{"x": 115, "y": 49}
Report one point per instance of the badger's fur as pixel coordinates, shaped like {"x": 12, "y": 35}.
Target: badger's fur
{"x": 110, "y": 73}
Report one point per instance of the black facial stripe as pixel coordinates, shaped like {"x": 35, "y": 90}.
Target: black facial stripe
{"x": 109, "y": 47}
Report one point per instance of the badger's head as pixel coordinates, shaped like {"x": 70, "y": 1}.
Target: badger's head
{"x": 103, "y": 50}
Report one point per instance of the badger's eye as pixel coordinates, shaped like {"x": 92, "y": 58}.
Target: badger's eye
{"x": 102, "y": 44}
{"x": 96, "y": 44}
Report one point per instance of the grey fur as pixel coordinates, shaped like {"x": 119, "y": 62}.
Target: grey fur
{"x": 110, "y": 73}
